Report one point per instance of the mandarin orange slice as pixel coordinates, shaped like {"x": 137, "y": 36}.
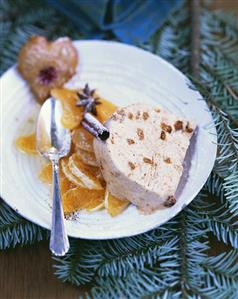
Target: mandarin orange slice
{"x": 65, "y": 185}
{"x": 45, "y": 174}
{"x": 114, "y": 205}
{"x": 105, "y": 110}
{"x": 85, "y": 173}
{"x": 87, "y": 158}
{"x": 27, "y": 144}
{"x": 83, "y": 139}
{"x": 72, "y": 115}
{"x": 95, "y": 205}
{"x": 81, "y": 198}
{"x": 69, "y": 175}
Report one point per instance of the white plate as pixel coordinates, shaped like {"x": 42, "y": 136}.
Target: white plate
{"x": 123, "y": 74}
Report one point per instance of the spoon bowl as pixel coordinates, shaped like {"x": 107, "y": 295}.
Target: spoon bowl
{"x": 52, "y": 138}
{"x": 53, "y": 142}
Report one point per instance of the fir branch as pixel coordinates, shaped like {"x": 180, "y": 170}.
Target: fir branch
{"x": 217, "y": 33}
{"x": 223, "y": 89}
{"x": 145, "y": 284}
{"x": 80, "y": 264}
{"x": 120, "y": 264}
{"x": 16, "y": 230}
{"x": 195, "y": 38}
{"x": 114, "y": 258}
{"x": 218, "y": 218}
{"x": 222, "y": 271}
{"x": 169, "y": 273}
{"x": 214, "y": 185}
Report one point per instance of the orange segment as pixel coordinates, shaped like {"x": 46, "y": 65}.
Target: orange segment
{"x": 105, "y": 110}
{"x": 95, "y": 205}
{"x": 87, "y": 157}
{"x": 45, "y": 174}
{"x": 65, "y": 185}
{"x": 82, "y": 198}
{"x": 72, "y": 115}
{"x": 27, "y": 144}
{"x": 85, "y": 173}
{"x": 83, "y": 139}
{"x": 69, "y": 175}
{"x": 114, "y": 205}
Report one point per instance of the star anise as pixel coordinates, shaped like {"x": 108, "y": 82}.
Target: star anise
{"x": 87, "y": 100}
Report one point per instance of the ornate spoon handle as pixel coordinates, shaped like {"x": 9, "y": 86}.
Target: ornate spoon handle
{"x": 59, "y": 242}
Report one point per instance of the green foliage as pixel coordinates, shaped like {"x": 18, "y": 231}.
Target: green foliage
{"x": 16, "y": 230}
{"x": 174, "y": 260}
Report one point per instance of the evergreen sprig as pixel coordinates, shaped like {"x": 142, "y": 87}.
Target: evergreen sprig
{"x": 16, "y": 230}
{"x": 176, "y": 259}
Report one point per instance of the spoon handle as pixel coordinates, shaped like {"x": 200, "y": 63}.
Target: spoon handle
{"x": 59, "y": 242}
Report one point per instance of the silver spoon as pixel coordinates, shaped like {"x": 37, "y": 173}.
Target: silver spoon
{"x": 53, "y": 142}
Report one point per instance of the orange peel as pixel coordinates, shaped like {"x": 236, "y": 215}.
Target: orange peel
{"x": 27, "y": 144}
{"x": 81, "y": 198}
{"x": 114, "y": 205}
{"x": 85, "y": 173}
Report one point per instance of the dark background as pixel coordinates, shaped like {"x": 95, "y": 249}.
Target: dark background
{"x": 27, "y": 273}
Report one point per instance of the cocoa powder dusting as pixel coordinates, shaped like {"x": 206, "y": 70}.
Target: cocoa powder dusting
{"x": 114, "y": 116}
{"x": 121, "y": 112}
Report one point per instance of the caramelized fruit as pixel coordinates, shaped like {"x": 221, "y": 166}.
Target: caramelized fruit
{"x": 45, "y": 174}
{"x": 72, "y": 115}
{"x": 87, "y": 158}
{"x": 84, "y": 173}
{"x": 27, "y": 144}
{"x": 114, "y": 205}
{"x": 82, "y": 198}
{"x": 83, "y": 139}
{"x": 65, "y": 185}
{"x": 46, "y": 65}
{"x": 68, "y": 174}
